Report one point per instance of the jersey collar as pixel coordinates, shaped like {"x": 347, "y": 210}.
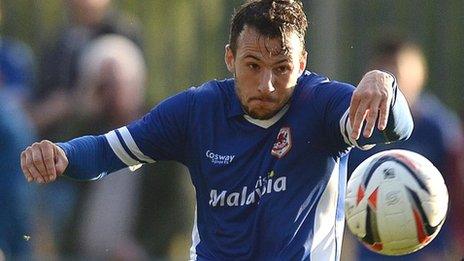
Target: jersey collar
{"x": 267, "y": 123}
{"x": 235, "y": 109}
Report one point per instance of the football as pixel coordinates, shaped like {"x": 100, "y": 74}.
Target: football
{"x": 396, "y": 202}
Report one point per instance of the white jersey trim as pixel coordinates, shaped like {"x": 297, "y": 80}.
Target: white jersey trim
{"x": 346, "y": 129}
{"x": 119, "y": 150}
{"x": 127, "y": 137}
{"x": 267, "y": 123}
{"x": 323, "y": 245}
{"x": 195, "y": 239}
{"x": 340, "y": 213}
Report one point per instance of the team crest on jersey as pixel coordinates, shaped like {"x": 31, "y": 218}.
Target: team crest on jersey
{"x": 283, "y": 144}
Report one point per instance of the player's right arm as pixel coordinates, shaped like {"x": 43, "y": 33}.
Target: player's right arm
{"x": 84, "y": 158}
{"x": 159, "y": 135}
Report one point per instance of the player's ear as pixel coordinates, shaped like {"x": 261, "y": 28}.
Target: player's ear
{"x": 303, "y": 60}
{"x": 229, "y": 59}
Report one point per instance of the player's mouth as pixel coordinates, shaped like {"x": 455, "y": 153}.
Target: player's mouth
{"x": 262, "y": 100}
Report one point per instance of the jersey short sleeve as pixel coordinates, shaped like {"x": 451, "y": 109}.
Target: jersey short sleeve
{"x": 162, "y": 134}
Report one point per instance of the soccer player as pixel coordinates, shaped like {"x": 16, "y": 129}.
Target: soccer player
{"x": 266, "y": 149}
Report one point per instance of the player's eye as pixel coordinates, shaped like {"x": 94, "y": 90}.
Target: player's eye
{"x": 253, "y": 66}
{"x": 283, "y": 69}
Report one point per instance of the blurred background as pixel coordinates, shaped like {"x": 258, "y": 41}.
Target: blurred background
{"x": 62, "y": 57}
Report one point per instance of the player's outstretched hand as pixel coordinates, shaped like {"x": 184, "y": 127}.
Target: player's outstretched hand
{"x": 43, "y": 162}
{"x": 371, "y": 103}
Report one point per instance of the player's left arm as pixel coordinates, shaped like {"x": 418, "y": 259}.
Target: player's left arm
{"x": 378, "y": 112}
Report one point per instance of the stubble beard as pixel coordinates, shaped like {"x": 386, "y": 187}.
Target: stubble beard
{"x": 252, "y": 112}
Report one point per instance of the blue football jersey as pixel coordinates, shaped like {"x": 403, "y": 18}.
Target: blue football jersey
{"x": 265, "y": 189}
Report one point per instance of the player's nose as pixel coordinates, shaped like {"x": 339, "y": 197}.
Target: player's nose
{"x": 266, "y": 82}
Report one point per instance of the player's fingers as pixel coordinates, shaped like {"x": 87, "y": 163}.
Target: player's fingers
{"x": 355, "y": 100}
{"x": 26, "y": 162}
{"x": 38, "y": 161}
{"x": 359, "y": 119}
{"x": 371, "y": 118}
{"x": 384, "y": 111}
{"x": 48, "y": 159}
{"x": 26, "y": 172}
{"x": 28, "y": 175}
{"x": 32, "y": 169}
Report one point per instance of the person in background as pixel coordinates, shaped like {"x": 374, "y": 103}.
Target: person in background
{"x": 16, "y": 131}
{"x": 16, "y": 196}
{"x": 77, "y": 86}
{"x": 437, "y": 135}
{"x": 111, "y": 87}
{"x": 58, "y": 68}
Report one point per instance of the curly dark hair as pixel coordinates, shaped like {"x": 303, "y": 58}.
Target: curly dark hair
{"x": 272, "y": 18}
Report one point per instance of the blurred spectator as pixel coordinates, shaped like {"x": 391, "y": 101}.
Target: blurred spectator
{"x": 16, "y": 132}
{"x": 437, "y": 136}
{"x": 15, "y": 192}
{"x": 93, "y": 70}
{"x": 88, "y": 19}
{"x": 111, "y": 85}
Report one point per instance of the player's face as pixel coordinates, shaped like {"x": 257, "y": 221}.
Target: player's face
{"x": 265, "y": 75}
